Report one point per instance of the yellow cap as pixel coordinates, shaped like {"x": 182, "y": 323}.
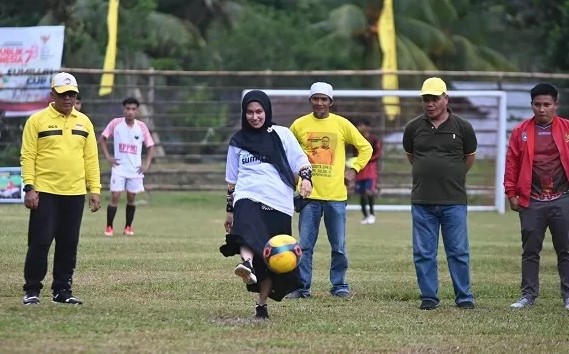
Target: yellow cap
{"x": 433, "y": 86}
{"x": 64, "y": 82}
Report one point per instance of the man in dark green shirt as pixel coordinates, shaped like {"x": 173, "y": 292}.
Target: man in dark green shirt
{"x": 441, "y": 147}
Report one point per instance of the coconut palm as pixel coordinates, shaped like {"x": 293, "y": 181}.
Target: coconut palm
{"x": 431, "y": 34}
{"x": 145, "y": 37}
{"x": 143, "y": 33}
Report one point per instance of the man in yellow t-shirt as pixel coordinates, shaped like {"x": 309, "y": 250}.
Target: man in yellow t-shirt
{"x": 59, "y": 158}
{"x": 323, "y": 137}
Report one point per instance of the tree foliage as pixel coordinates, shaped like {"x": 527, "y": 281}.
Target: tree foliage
{"x": 307, "y": 34}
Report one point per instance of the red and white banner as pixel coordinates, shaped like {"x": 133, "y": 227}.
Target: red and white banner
{"x": 28, "y": 57}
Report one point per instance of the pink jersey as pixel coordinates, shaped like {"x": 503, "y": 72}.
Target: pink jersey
{"x": 128, "y": 145}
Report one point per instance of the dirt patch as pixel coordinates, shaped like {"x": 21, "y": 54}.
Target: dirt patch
{"x": 237, "y": 321}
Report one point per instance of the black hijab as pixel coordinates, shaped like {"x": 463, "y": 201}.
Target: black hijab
{"x": 264, "y": 143}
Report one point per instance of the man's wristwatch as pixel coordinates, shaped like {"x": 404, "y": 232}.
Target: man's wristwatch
{"x": 28, "y": 187}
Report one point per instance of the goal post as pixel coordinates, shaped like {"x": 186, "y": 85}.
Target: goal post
{"x": 496, "y": 114}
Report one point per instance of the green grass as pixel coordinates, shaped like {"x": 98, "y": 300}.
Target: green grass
{"x": 168, "y": 289}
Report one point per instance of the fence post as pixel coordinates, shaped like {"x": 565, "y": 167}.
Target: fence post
{"x": 146, "y": 111}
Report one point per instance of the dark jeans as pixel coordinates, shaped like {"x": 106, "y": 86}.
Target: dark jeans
{"x": 57, "y": 217}
{"x": 534, "y": 220}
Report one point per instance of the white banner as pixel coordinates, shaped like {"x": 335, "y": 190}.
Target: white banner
{"x": 28, "y": 57}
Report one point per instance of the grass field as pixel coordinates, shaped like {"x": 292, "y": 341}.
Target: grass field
{"x": 168, "y": 289}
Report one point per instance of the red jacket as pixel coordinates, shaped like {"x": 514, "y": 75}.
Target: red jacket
{"x": 519, "y": 157}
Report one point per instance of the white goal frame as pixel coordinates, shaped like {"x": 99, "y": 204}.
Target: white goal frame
{"x": 499, "y": 195}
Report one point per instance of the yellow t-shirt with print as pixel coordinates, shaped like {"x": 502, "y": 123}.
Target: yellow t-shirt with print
{"x": 324, "y": 142}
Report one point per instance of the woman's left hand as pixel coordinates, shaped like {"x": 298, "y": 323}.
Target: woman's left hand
{"x": 305, "y": 188}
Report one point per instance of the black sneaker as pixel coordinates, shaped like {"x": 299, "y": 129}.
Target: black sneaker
{"x": 261, "y": 312}
{"x": 428, "y": 305}
{"x": 245, "y": 271}
{"x": 66, "y": 297}
{"x": 31, "y": 298}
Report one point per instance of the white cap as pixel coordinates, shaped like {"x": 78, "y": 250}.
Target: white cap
{"x": 323, "y": 88}
{"x": 64, "y": 82}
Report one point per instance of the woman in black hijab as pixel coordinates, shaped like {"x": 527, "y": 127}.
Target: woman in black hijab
{"x": 260, "y": 162}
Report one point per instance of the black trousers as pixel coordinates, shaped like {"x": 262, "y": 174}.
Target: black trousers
{"x": 57, "y": 217}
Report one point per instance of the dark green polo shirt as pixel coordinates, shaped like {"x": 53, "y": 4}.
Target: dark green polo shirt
{"x": 439, "y": 167}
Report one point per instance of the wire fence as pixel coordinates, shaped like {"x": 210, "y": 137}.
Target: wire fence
{"x": 193, "y": 114}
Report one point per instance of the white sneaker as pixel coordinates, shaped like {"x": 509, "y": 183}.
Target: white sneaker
{"x": 567, "y": 303}
{"x": 371, "y": 219}
{"x": 525, "y": 302}
{"x": 364, "y": 221}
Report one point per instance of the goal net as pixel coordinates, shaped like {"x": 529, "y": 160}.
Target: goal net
{"x": 486, "y": 110}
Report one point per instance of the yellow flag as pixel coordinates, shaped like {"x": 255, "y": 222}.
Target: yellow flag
{"x": 388, "y": 45}
{"x": 108, "y": 79}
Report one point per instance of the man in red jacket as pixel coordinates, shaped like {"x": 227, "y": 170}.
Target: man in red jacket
{"x": 536, "y": 184}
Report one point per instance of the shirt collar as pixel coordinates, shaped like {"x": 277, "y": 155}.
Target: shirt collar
{"x": 54, "y": 113}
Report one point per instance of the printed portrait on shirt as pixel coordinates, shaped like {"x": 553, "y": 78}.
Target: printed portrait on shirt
{"x": 321, "y": 148}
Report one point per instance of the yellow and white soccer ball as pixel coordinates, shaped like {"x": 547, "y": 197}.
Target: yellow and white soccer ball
{"x": 282, "y": 254}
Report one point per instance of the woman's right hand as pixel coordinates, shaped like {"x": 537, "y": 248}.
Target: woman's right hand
{"x": 228, "y": 222}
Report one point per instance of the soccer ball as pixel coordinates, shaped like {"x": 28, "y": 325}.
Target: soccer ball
{"x": 282, "y": 254}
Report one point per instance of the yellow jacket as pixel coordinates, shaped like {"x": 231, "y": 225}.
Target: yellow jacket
{"x": 59, "y": 154}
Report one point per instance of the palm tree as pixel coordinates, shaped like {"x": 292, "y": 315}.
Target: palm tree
{"x": 145, "y": 37}
{"x": 202, "y": 13}
{"x": 431, "y": 34}
{"x": 144, "y": 34}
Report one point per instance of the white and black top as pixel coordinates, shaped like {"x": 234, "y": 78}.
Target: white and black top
{"x": 260, "y": 181}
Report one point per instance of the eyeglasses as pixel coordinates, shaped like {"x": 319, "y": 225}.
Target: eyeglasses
{"x": 431, "y": 98}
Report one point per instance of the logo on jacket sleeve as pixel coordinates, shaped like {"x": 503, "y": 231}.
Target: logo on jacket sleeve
{"x": 524, "y": 136}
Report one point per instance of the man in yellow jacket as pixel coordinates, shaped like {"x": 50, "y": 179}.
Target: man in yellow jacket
{"x": 59, "y": 158}
{"x": 323, "y": 137}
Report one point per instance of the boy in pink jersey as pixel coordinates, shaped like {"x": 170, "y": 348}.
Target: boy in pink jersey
{"x": 128, "y": 135}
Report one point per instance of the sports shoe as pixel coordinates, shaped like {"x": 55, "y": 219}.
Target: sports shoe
{"x": 245, "y": 271}
{"x": 371, "y": 219}
{"x": 364, "y": 220}
{"x": 465, "y": 305}
{"x": 566, "y": 302}
{"x": 261, "y": 312}
{"x": 522, "y": 303}
{"x": 128, "y": 231}
{"x": 31, "y": 298}
{"x": 342, "y": 294}
{"x": 297, "y": 294}
{"x": 428, "y": 305}
{"x": 109, "y": 231}
{"x": 66, "y": 297}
